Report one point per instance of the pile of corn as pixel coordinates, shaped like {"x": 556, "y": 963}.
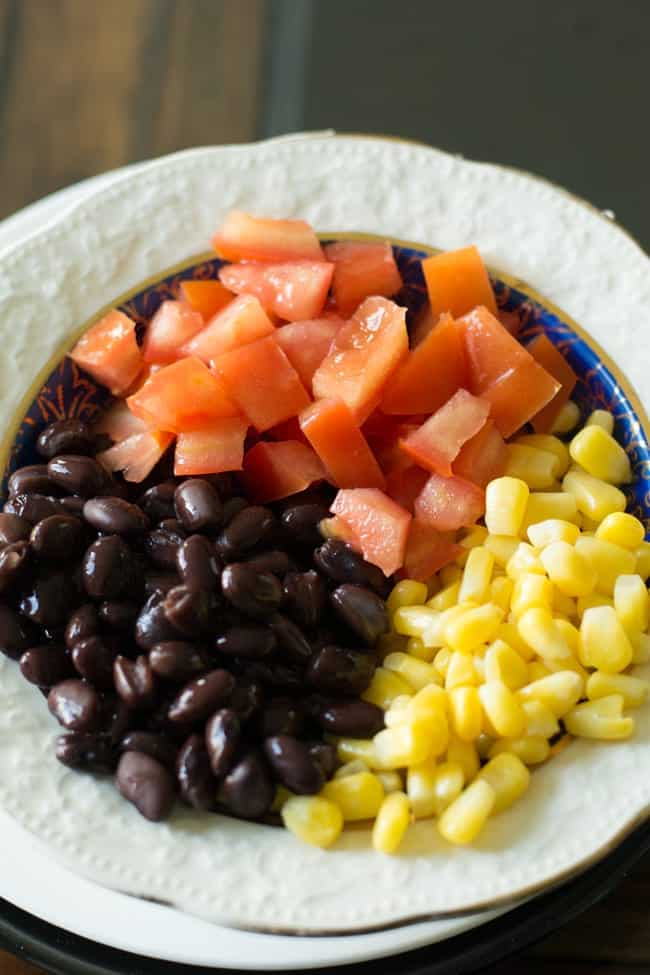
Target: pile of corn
{"x": 535, "y": 623}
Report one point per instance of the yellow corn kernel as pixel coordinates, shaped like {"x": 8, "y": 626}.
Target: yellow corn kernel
{"x": 431, "y": 698}
{"x": 595, "y": 719}
{"x": 609, "y": 561}
{"x": 633, "y": 690}
{"x": 621, "y": 529}
{"x": 416, "y": 673}
{"x": 281, "y": 796}
{"x": 421, "y": 789}
{"x": 501, "y": 592}
{"x": 463, "y": 820}
{"x": 600, "y": 455}
{"x": 356, "y": 750}
{"x": 391, "y": 781}
{"x": 416, "y": 648}
{"x": 642, "y": 554}
{"x": 553, "y": 530}
{"x": 391, "y": 823}
{"x": 553, "y": 445}
{"x": 313, "y": 819}
{"x": 632, "y": 603}
{"x": 601, "y": 418}
{"x": 530, "y": 589}
{"x": 357, "y": 796}
{"x": 531, "y": 749}
{"x": 567, "y": 419}
{"x": 412, "y": 742}
{"x": 466, "y": 712}
{"x": 484, "y": 743}
{"x": 540, "y": 720}
{"x": 415, "y": 621}
{"x": 568, "y": 569}
{"x": 564, "y": 605}
{"x": 397, "y": 712}
{"x": 594, "y": 498}
{"x": 445, "y": 598}
{"x": 568, "y": 663}
{"x": 476, "y": 575}
{"x": 505, "y": 505}
{"x": 449, "y": 574}
{"x": 509, "y": 778}
{"x": 593, "y": 599}
{"x": 570, "y": 633}
{"x": 589, "y": 526}
{"x": 473, "y": 537}
{"x": 537, "y": 670}
{"x": 503, "y": 709}
{"x": 351, "y": 768}
{"x": 390, "y": 642}
{"x": 546, "y": 505}
{"x": 504, "y": 664}
{"x": 474, "y": 626}
{"x": 537, "y": 468}
{"x": 538, "y": 629}
{"x": 502, "y": 548}
{"x": 559, "y": 691}
{"x": 384, "y": 687}
{"x": 461, "y": 671}
{"x": 641, "y": 648}
{"x": 408, "y": 592}
{"x": 509, "y": 633}
{"x": 604, "y": 644}
{"x": 524, "y": 559}
{"x": 463, "y": 753}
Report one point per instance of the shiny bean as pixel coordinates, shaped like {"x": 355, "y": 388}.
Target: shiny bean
{"x": 108, "y": 568}
{"x": 341, "y": 671}
{"x": 93, "y": 659}
{"x": 49, "y": 599}
{"x": 301, "y": 521}
{"x": 116, "y": 718}
{"x": 115, "y": 516}
{"x": 305, "y": 595}
{"x": 65, "y": 437}
{"x": 58, "y": 538}
{"x": 256, "y": 594}
{"x": 247, "y": 791}
{"x": 253, "y": 526}
{"x": 198, "y": 505}
{"x": 276, "y": 562}
{"x": 155, "y": 746}
{"x": 201, "y": 697}
{"x": 16, "y": 634}
{"x": 75, "y": 705}
{"x": 246, "y": 641}
{"x": 73, "y": 505}
{"x": 147, "y": 784}
{"x": 247, "y": 698}
{"x": 362, "y": 610}
{"x": 119, "y": 614}
{"x": 232, "y": 507}
{"x": 353, "y": 719}
{"x": 134, "y": 682}
{"x": 282, "y": 716}
{"x": 198, "y": 564}
{"x": 46, "y": 665}
{"x": 84, "y": 622}
{"x": 190, "y": 612}
{"x": 197, "y": 785}
{"x": 161, "y": 547}
{"x": 325, "y": 755}
{"x": 222, "y": 738}
{"x": 225, "y": 484}
{"x": 77, "y": 474}
{"x": 176, "y": 660}
{"x": 86, "y": 752}
{"x": 32, "y": 507}
{"x": 32, "y": 479}
{"x": 342, "y": 564}
{"x": 13, "y": 528}
{"x": 173, "y": 526}
{"x": 152, "y": 625}
{"x": 268, "y": 673}
{"x": 290, "y": 638}
{"x": 14, "y": 561}
{"x": 293, "y": 766}
{"x": 160, "y": 582}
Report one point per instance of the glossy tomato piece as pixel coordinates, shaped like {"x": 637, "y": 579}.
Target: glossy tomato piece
{"x": 278, "y": 470}
{"x": 262, "y": 381}
{"x": 183, "y": 396}
{"x": 119, "y": 423}
{"x": 482, "y": 458}
{"x": 384, "y": 434}
{"x": 295, "y": 291}
{"x": 213, "y": 449}
{"x": 448, "y": 503}
{"x": 404, "y": 485}
{"x": 109, "y": 352}
{"x": 437, "y": 442}
{"x": 331, "y": 429}
{"x": 288, "y": 430}
{"x": 519, "y": 396}
{"x": 427, "y": 551}
{"x": 307, "y": 343}
{"x": 246, "y": 238}
{"x": 206, "y": 297}
{"x": 551, "y": 359}
{"x": 457, "y": 281}
{"x": 360, "y": 270}
{"x": 136, "y": 456}
{"x": 242, "y": 321}
{"x": 172, "y": 325}
{"x": 379, "y": 524}
{"x": 364, "y": 354}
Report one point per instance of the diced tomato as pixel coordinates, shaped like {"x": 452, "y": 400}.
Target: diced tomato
{"x": 295, "y": 291}
{"x": 448, "y": 503}
{"x": 213, "y": 449}
{"x": 516, "y": 398}
{"x": 384, "y": 433}
{"x": 147, "y": 371}
{"x": 360, "y": 270}
{"x": 380, "y": 525}
{"x": 206, "y": 297}
{"x": 277, "y": 470}
{"x": 136, "y": 456}
{"x": 457, "y": 281}
{"x": 430, "y": 374}
{"x": 288, "y": 430}
{"x": 334, "y": 434}
{"x": 551, "y": 359}
{"x": 404, "y": 486}
{"x": 335, "y": 527}
{"x": 183, "y": 396}
{"x": 306, "y": 344}
{"x": 242, "y": 321}
{"x": 109, "y": 352}
{"x": 483, "y": 457}
{"x": 262, "y": 381}
{"x": 422, "y": 325}
{"x": 364, "y": 354}
{"x": 246, "y": 238}
{"x": 119, "y": 423}
{"x": 428, "y": 551}
{"x": 173, "y": 324}
{"x": 437, "y": 442}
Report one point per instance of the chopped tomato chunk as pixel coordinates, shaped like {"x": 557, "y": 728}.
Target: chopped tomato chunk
{"x": 306, "y": 344}
{"x": 206, "y": 297}
{"x": 288, "y": 430}
{"x": 457, "y": 281}
{"x": 437, "y": 442}
{"x": 404, "y": 485}
{"x": 295, "y": 291}
{"x": 213, "y": 449}
{"x": 242, "y": 321}
{"x": 119, "y": 423}
{"x": 427, "y": 551}
{"x": 380, "y": 525}
{"x": 448, "y": 503}
{"x": 136, "y": 456}
{"x": 361, "y": 269}
{"x": 482, "y": 458}
{"x": 516, "y": 398}
{"x": 335, "y": 527}
{"x": 109, "y": 352}
{"x": 172, "y": 325}
{"x": 422, "y": 325}
{"x": 550, "y": 358}
{"x": 277, "y": 470}
{"x": 384, "y": 433}
{"x": 246, "y": 238}
{"x": 183, "y": 396}
{"x": 334, "y": 434}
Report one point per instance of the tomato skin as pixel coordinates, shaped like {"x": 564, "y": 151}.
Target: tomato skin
{"x": 243, "y": 320}
{"x": 334, "y": 434}
{"x": 109, "y": 352}
{"x": 457, "y": 281}
{"x": 428, "y": 551}
{"x": 213, "y": 449}
{"x": 296, "y": 290}
{"x": 437, "y": 442}
{"x": 379, "y": 524}
{"x": 449, "y": 503}
{"x": 482, "y": 458}
{"x": 206, "y": 297}
{"x": 306, "y": 344}
{"x": 243, "y": 237}
{"x": 278, "y": 470}
{"x": 172, "y": 325}
{"x": 360, "y": 270}
{"x": 136, "y": 456}
{"x": 551, "y": 359}
{"x": 182, "y": 396}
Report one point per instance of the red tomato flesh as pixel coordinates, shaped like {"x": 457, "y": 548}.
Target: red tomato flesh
{"x": 206, "y": 297}
{"x": 428, "y": 551}
{"x": 306, "y": 344}
{"x": 437, "y": 442}
{"x": 119, "y": 423}
{"x": 334, "y": 434}
{"x": 448, "y": 503}
{"x": 109, "y": 352}
{"x": 136, "y": 456}
{"x": 242, "y": 321}
{"x": 404, "y": 486}
{"x": 550, "y": 358}
{"x": 482, "y": 458}
{"x": 213, "y": 449}
{"x": 288, "y": 430}
{"x": 277, "y": 470}
{"x": 517, "y": 398}
{"x": 361, "y": 269}
{"x": 183, "y": 396}
{"x": 380, "y": 525}
{"x": 246, "y": 238}
{"x": 295, "y": 291}
{"x": 457, "y": 281}
{"x": 173, "y": 324}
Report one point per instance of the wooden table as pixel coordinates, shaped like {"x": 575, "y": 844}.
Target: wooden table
{"x": 84, "y": 91}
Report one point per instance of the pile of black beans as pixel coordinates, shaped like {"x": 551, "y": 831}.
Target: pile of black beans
{"x": 190, "y": 643}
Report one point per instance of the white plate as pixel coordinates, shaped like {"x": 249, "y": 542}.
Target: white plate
{"x": 249, "y": 875}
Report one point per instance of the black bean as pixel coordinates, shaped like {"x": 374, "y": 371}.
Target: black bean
{"x": 84, "y": 622}
{"x": 198, "y": 505}
{"x": 161, "y": 547}
{"x": 176, "y": 660}
{"x": 290, "y": 638}
{"x": 256, "y": 594}
{"x": 16, "y": 634}
{"x": 293, "y": 766}
{"x": 160, "y": 582}
{"x": 305, "y": 595}
{"x": 173, "y": 527}
{"x": 32, "y": 507}
{"x": 201, "y": 697}
{"x": 77, "y": 474}
{"x": 115, "y": 516}
{"x": 247, "y": 790}
{"x": 269, "y": 673}
{"x": 282, "y": 716}
{"x": 225, "y": 484}
{"x": 342, "y": 564}
{"x": 75, "y": 705}
{"x": 197, "y": 785}
{"x": 147, "y": 784}
{"x": 191, "y": 612}
{"x": 247, "y": 698}
{"x": 108, "y": 568}
{"x": 65, "y": 437}
{"x": 119, "y": 614}
{"x": 251, "y": 527}
{"x": 46, "y": 665}
{"x": 340, "y": 671}
{"x": 354, "y": 719}
{"x": 198, "y": 564}
{"x": 73, "y": 505}
{"x": 14, "y": 561}
{"x": 276, "y": 562}
{"x": 13, "y": 528}
{"x": 301, "y": 521}
{"x": 50, "y": 599}
{"x": 326, "y": 757}
{"x": 58, "y": 538}
{"x": 155, "y": 746}
{"x": 32, "y": 479}
{"x": 116, "y": 718}
{"x": 362, "y": 610}
{"x": 158, "y": 502}
{"x": 222, "y": 738}
{"x": 86, "y": 752}
{"x": 232, "y": 507}
{"x": 251, "y": 640}
{"x": 152, "y": 625}
{"x": 134, "y": 682}
{"x": 93, "y": 659}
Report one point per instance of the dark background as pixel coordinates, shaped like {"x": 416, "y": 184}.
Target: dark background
{"x": 557, "y": 88}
